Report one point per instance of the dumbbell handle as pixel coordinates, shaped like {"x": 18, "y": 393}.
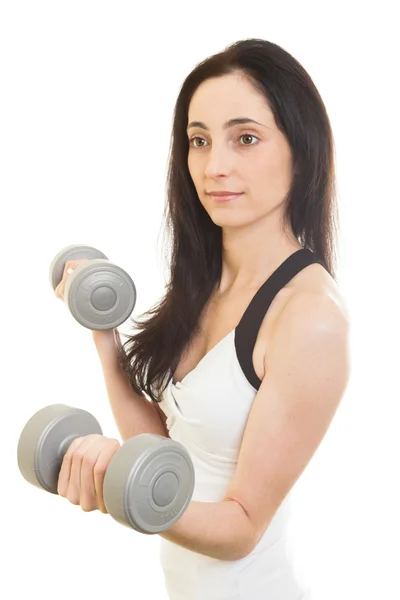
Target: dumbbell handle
{"x": 46, "y": 438}
{"x": 99, "y": 294}
{"x": 156, "y": 472}
{"x": 62, "y": 451}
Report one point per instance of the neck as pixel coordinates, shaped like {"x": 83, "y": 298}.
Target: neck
{"x": 251, "y": 254}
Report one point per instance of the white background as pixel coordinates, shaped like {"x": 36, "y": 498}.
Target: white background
{"x": 87, "y": 95}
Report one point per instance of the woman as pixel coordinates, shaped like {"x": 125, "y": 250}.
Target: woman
{"x": 245, "y": 359}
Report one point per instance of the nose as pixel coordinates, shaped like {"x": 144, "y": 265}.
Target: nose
{"x": 219, "y": 161}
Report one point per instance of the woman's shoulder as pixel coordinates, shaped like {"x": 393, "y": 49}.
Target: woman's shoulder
{"x": 312, "y": 303}
{"x": 314, "y": 283}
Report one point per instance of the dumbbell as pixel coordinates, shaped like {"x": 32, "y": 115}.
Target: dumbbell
{"x": 148, "y": 483}
{"x": 99, "y": 294}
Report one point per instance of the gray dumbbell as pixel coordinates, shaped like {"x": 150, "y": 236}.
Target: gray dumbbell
{"x": 149, "y": 481}
{"x": 99, "y": 294}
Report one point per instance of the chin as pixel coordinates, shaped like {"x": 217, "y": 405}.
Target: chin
{"x": 225, "y": 222}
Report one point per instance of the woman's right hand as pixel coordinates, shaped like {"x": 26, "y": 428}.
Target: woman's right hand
{"x": 103, "y": 339}
{"x": 69, "y": 267}
{"x": 83, "y": 470}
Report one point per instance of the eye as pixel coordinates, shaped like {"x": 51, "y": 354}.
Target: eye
{"x": 191, "y": 141}
{"x": 249, "y": 135}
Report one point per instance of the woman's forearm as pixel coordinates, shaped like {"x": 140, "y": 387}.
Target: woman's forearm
{"x": 133, "y": 413}
{"x": 218, "y": 529}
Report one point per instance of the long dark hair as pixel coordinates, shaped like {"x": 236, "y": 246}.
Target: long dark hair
{"x": 151, "y": 355}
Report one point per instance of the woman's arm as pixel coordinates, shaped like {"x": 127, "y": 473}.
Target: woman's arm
{"x": 133, "y": 413}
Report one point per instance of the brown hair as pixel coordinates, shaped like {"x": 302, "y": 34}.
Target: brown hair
{"x": 152, "y": 354}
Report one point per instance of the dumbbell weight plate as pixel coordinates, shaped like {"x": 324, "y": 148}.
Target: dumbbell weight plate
{"x": 149, "y": 483}
{"x": 73, "y": 252}
{"x": 46, "y": 438}
{"x": 100, "y": 295}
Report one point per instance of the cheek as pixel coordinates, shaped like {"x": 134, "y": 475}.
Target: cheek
{"x": 191, "y": 163}
{"x": 194, "y": 171}
{"x": 266, "y": 164}
{"x": 271, "y": 174}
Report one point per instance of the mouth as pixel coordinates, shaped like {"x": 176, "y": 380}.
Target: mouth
{"x": 224, "y": 197}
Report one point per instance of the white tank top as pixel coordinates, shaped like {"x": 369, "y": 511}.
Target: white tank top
{"x": 207, "y": 412}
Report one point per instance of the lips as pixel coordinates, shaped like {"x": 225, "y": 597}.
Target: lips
{"x": 222, "y": 194}
{"x": 224, "y": 197}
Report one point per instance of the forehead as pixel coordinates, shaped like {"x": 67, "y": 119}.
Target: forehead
{"x": 227, "y": 96}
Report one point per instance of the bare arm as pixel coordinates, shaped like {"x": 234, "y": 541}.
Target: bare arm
{"x": 133, "y": 413}
{"x": 308, "y": 369}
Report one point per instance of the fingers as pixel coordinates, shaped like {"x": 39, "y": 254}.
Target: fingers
{"x": 85, "y": 476}
{"x": 100, "y": 469}
{"x": 65, "y": 471}
{"x": 74, "y": 484}
{"x": 69, "y": 267}
{"x": 83, "y": 470}
{"x": 81, "y": 486}
{"x": 75, "y": 480}
{"x": 59, "y": 291}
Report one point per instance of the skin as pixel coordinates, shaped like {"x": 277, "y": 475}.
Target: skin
{"x": 303, "y": 341}
{"x": 261, "y": 167}
{"x": 255, "y": 159}
{"x": 85, "y": 463}
{"x": 83, "y": 470}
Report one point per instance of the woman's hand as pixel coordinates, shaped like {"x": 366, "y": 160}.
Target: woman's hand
{"x": 69, "y": 268}
{"x": 83, "y": 469}
{"x": 103, "y": 338}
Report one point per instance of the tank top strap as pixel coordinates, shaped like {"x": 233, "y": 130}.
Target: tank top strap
{"x": 247, "y": 330}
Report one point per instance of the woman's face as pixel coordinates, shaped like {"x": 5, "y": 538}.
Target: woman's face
{"x": 251, "y": 158}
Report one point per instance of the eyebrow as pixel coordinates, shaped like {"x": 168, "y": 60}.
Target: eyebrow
{"x": 230, "y": 123}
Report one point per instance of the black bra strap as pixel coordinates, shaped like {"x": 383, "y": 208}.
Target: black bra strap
{"x": 247, "y": 330}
